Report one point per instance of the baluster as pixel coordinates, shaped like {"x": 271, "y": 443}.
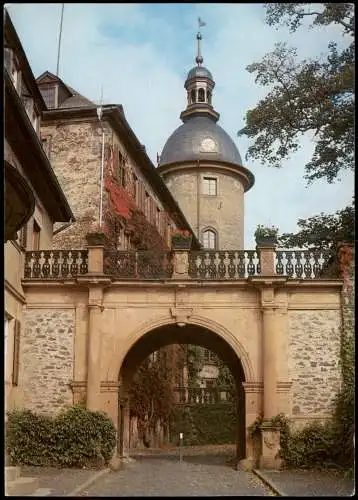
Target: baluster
{"x": 28, "y": 267}
{"x": 316, "y": 264}
{"x": 241, "y": 267}
{"x": 202, "y": 266}
{"x": 55, "y": 268}
{"x": 221, "y": 266}
{"x": 256, "y": 260}
{"x": 299, "y": 266}
{"x": 231, "y": 266}
{"x": 74, "y": 264}
{"x": 307, "y": 266}
{"x": 64, "y": 265}
{"x": 250, "y": 264}
{"x": 36, "y": 268}
{"x": 46, "y": 265}
{"x": 84, "y": 262}
{"x": 212, "y": 267}
{"x": 279, "y": 265}
{"x": 289, "y": 265}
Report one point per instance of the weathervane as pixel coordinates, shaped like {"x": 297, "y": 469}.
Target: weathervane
{"x": 199, "y": 58}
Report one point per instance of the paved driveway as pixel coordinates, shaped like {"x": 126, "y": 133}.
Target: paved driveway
{"x": 166, "y": 476}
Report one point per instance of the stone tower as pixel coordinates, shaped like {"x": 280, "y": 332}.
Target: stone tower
{"x": 202, "y": 167}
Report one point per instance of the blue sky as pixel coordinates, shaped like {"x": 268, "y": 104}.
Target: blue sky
{"x": 141, "y": 54}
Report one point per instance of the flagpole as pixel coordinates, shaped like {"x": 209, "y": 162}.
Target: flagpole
{"x": 59, "y": 41}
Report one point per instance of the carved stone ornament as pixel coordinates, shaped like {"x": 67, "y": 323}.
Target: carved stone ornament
{"x": 271, "y": 438}
{"x": 181, "y": 263}
{"x": 181, "y": 316}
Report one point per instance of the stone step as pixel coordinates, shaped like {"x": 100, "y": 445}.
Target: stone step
{"x": 11, "y": 473}
{"x": 21, "y": 486}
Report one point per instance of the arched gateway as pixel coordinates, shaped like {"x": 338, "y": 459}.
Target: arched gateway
{"x": 199, "y": 331}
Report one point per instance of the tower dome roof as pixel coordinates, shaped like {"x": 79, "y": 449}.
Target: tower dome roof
{"x": 198, "y": 71}
{"x": 200, "y": 138}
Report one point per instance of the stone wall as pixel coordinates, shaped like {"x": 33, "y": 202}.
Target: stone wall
{"x": 224, "y": 213}
{"x": 314, "y": 366}
{"x": 46, "y": 359}
{"x": 75, "y": 155}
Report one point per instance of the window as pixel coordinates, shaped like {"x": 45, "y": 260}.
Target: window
{"x": 210, "y": 186}
{"x": 49, "y": 96}
{"x": 201, "y": 95}
{"x": 135, "y": 188}
{"x": 209, "y": 96}
{"x": 15, "y": 366}
{"x": 209, "y": 239}
{"x": 36, "y": 236}
{"x": 157, "y": 218}
{"x": 192, "y": 96}
{"x": 147, "y": 205}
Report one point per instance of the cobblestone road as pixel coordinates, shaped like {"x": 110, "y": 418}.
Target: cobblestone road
{"x": 166, "y": 476}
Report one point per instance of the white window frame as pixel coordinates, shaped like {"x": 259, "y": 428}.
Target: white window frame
{"x": 209, "y": 239}
{"x": 210, "y": 186}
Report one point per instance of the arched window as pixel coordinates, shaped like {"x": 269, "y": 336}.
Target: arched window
{"x": 208, "y": 93}
{"x": 192, "y": 96}
{"x": 201, "y": 97}
{"x": 209, "y": 239}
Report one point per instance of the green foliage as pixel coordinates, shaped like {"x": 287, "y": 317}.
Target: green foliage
{"x": 313, "y": 96}
{"x": 151, "y": 393}
{"x": 266, "y": 232}
{"x": 194, "y": 363}
{"x": 204, "y": 424}
{"x": 322, "y": 231}
{"x": 226, "y": 379}
{"x": 76, "y": 437}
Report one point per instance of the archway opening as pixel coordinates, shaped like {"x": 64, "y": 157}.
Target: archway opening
{"x": 172, "y": 340}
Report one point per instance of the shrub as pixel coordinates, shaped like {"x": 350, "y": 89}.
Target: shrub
{"x": 205, "y": 424}
{"x": 76, "y": 437}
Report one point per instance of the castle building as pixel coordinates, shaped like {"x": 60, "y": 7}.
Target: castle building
{"x": 92, "y": 313}
{"x": 203, "y": 169}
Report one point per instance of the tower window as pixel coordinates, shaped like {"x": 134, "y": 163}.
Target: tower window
{"x": 210, "y": 186}
{"x": 209, "y": 239}
{"x": 192, "y": 96}
{"x": 209, "y": 96}
{"x": 201, "y": 95}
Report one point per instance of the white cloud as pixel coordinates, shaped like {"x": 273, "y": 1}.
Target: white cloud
{"x": 140, "y": 54}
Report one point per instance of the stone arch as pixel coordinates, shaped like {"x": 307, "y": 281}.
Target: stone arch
{"x": 215, "y": 327}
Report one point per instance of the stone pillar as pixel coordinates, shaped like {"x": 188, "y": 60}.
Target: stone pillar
{"x": 270, "y": 435}
{"x": 124, "y": 431}
{"x": 95, "y": 259}
{"x": 267, "y": 259}
{"x": 269, "y": 363}
{"x": 94, "y": 348}
{"x": 180, "y": 264}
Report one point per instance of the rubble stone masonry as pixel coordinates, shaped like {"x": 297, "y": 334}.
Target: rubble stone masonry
{"x": 74, "y": 150}
{"x": 46, "y": 354}
{"x": 314, "y": 366}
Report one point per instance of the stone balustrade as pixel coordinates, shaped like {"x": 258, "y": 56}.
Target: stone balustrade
{"x": 222, "y": 265}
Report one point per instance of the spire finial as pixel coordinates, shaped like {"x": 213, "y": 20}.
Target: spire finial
{"x": 199, "y": 58}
